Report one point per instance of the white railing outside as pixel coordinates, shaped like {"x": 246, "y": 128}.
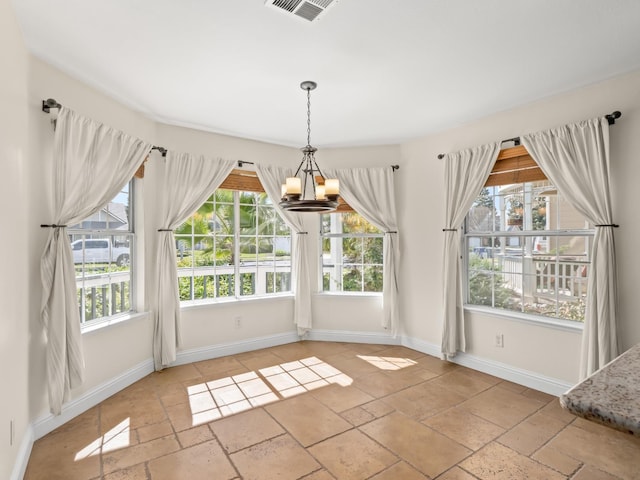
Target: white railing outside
{"x": 565, "y": 278}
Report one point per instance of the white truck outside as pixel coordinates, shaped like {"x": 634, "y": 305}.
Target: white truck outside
{"x": 99, "y": 250}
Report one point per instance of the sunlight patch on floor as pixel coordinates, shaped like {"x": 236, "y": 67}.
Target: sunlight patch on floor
{"x": 116, "y": 438}
{"x": 229, "y": 395}
{"x": 388, "y": 363}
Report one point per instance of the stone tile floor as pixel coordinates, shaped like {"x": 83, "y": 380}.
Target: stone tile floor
{"x": 320, "y": 410}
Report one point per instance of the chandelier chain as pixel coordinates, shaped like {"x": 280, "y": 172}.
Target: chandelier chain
{"x": 308, "y": 116}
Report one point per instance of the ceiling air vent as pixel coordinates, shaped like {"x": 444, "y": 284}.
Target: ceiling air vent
{"x": 307, "y": 9}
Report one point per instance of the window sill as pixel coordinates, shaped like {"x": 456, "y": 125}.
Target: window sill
{"x": 555, "y": 323}
{"x": 349, "y": 294}
{"x": 195, "y": 304}
{"x": 109, "y": 321}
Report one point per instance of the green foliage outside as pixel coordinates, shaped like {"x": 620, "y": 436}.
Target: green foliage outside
{"x": 486, "y": 285}
{"x": 361, "y": 256}
{"x": 538, "y": 212}
{"x": 484, "y": 199}
{"x": 214, "y": 223}
{"x": 488, "y": 288}
{"x": 207, "y": 239}
{"x": 566, "y": 310}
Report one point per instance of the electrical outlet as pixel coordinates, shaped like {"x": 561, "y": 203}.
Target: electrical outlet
{"x": 499, "y": 340}
{"x": 237, "y": 322}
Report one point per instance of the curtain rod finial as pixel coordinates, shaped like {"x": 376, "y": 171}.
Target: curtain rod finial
{"x": 611, "y": 118}
{"x": 48, "y": 104}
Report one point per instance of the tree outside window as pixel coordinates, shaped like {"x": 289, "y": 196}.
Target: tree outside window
{"x": 235, "y": 245}
{"x": 352, "y": 251}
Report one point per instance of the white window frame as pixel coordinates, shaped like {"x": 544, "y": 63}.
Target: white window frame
{"x": 553, "y": 321}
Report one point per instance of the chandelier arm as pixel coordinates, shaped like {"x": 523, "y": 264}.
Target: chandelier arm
{"x": 304, "y": 188}
{"x": 299, "y": 167}
{"x": 318, "y": 169}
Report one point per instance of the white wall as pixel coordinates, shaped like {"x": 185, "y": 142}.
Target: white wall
{"x": 546, "y": 351}
{"x": 14, "y": 281}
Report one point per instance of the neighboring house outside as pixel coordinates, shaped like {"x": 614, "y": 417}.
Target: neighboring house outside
{"x": 111, "y": 217}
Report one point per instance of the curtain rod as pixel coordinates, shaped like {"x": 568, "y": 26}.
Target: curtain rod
{"x": 50, "y": 103}
{"x": 242, "y": 162}
{"x": 611, "y": 120}
{"x": 162, "y": 150}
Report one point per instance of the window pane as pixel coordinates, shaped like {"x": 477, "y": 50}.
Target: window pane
{"x": 373, "y": 278}
{"x": 281, "y": 227}
{"x": 266, "y": 220}
{"x": 103, "y": 274}
{"x": 248, "y": 285}
{"x": 532, "y": 274}
{"x": 207, "y": 253}
{"x": 114, "y": 216}
{"x": 351, "y": 279}
{"x": 224, "y": 249}
{"x": 102, "y": 250}
{"x": 351, "y": 254}
{"x": 352, "y": 249}
{"x": 483, "y": 216}
{"x": 372, "y": 250}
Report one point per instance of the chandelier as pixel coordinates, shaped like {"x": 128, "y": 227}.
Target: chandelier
{"x": 313, "y": 192}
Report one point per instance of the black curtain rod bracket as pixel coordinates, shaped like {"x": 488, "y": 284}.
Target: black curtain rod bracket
{"x": 395, "y": 167}
{"x": 241, "y": 163}
{"x": 611, "y": 118}
{"x": 162, "y": 150}
{"x": 515, "y": 140}
{"x": 48, "y": 104}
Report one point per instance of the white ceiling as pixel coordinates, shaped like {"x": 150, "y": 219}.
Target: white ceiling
{"x": 387, "y": 71}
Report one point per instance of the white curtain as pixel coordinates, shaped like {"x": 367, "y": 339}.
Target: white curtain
{"x": 187, "y": 182}
{"x": 371, "y": 193}
{"x": 576, "y": 159}
{"x": 91, "y": 164}
{"x": 465, "y": 174}
{"x": 272, "y": 178}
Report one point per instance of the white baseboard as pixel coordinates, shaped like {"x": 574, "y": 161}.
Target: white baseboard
{"x": 352, "y": 337}
{"x": 214, "y": 351}
{"x": 536, "y": 381}
{"x": 24, "y": 452}
{"x": 49, "y": 422}
{"x": 545, "y": 384}
{"x": 422, "y": 346}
